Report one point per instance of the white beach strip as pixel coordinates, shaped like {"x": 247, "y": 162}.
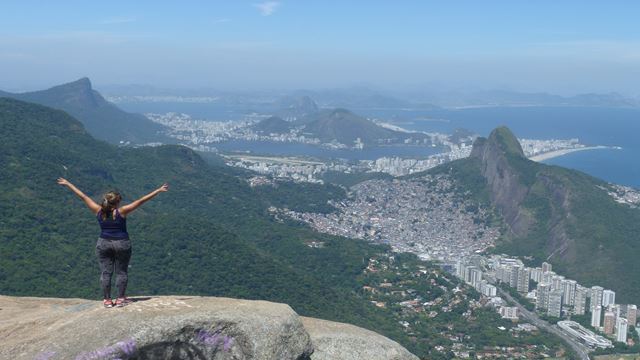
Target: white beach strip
{"x": 556, "y": 153}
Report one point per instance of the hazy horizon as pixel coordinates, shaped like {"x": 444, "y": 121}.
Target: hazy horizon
{"x": 564, "y": 48}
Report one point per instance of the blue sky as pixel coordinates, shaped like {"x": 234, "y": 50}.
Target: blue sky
{"x": 556, "y": 46}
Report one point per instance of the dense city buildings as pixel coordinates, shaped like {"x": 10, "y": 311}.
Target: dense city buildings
{"x": 556, "y": 296}
{"x": 422, "y": 215}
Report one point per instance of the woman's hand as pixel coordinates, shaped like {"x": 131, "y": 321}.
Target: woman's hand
{"x": 63, "y": 181}
{"x": 136, "y": 204}
{"x": 87, "y": 200}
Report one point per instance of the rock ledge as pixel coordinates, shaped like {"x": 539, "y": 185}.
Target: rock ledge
{"x": 178, "y": 327}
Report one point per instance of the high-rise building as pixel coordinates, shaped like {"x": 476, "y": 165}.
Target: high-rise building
{"x": 546, "y": 267}
{"x": 542, "y": 296}
{"x": 609, "y": 322}
{"x": 616, "y": 308}
{"x": 499, "y": 270}
{"x": 547, "y": 276}
{"x": 596, "y": 296}
{"x": 622, "y": 326}
{"x": 632, "y": 314}
{"x": 460, "y": 268}
{"x": 580, "y": 300}
{"x": 555, "y": 303}
{"x": 487, "y": 289}
{"x": 523, "y": 281}
{"x": 513, "y": 278}
{"x": 608, "y": 297}
{"x": 536, "y": 274}
{"x": 596, "y": 313}
{"x": 556, "y": 282}
{"x": 569, "y": 288}
{"x": 473, "y": 275}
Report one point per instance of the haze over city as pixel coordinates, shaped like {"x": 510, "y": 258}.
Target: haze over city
{"x": 565, "y": 47}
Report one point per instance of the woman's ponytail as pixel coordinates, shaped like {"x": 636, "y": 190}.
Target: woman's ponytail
{"x": 109, "y": 203}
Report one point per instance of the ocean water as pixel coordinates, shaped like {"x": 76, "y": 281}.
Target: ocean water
{"x": 592, "y": 125}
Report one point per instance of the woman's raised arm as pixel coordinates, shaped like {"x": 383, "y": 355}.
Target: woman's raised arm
{"x": 87, "y": 200}
{"x": 134, "y": 205}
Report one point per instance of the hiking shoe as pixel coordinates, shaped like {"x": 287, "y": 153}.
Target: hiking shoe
{"x": 108, "y": 303}
{"x": 120, "y": 302}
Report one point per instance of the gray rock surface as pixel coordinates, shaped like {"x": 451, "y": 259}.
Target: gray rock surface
{"x": 334, "y": 341}
{"x": 178, "y": 327}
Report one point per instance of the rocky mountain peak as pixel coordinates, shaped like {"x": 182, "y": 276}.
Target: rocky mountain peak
{"x": 501, "y": 162}
{"x": 500, "y": 142}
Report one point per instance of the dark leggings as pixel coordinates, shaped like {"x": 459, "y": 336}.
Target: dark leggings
{"x": 113, "y": 253}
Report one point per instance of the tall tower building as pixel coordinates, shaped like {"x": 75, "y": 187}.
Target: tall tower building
{"x": 622, "y": 326}
{"x": 595, "y": 316}
{"x": 475, "y": 276}
{"x": 609, "y": 322}
{"x": 608, "y": 297}
{"x": 555, "y": 303}
{"x": 460, "y": 269}
{"x": 632, "y": 314}
{"x": 580, "y": 300}
{"x": 546, "y": 267}
{"x": 556, "y": 282}
{"x": 536, "y": 274}
{"x": 569, "y": 288}
{"x": 547, "y": 276}
{"x": 596, "y": 296}
{"x": 542, "y": 296}
{"x": 513, "y": 279}
{"x": 523, "y": 281}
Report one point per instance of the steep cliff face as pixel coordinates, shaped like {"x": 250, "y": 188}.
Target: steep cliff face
{"x": 507, "y": 187}
{"x": 558, "y": 215}
{"x": 175, "y": 327}
{"x": 531, "y": 198}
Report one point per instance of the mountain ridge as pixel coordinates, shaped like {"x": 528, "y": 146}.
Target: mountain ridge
{"x": 102, "y": 119}
{"x": 345, "y": 127}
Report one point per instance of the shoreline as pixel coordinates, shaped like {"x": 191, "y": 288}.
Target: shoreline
{"x": 557, "y": 153}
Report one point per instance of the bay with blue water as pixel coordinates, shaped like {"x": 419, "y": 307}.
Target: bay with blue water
{"x": 592, "y": 125}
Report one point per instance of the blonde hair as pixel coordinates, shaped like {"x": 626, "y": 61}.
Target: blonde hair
{"x": 109, "y": 202}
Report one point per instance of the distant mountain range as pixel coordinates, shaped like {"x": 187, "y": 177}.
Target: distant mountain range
{"x": 515, "y": 98}
{"x": 555, "y": 214}
{"x": 102, "y": 119}
{"x": 365, "y": 97}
